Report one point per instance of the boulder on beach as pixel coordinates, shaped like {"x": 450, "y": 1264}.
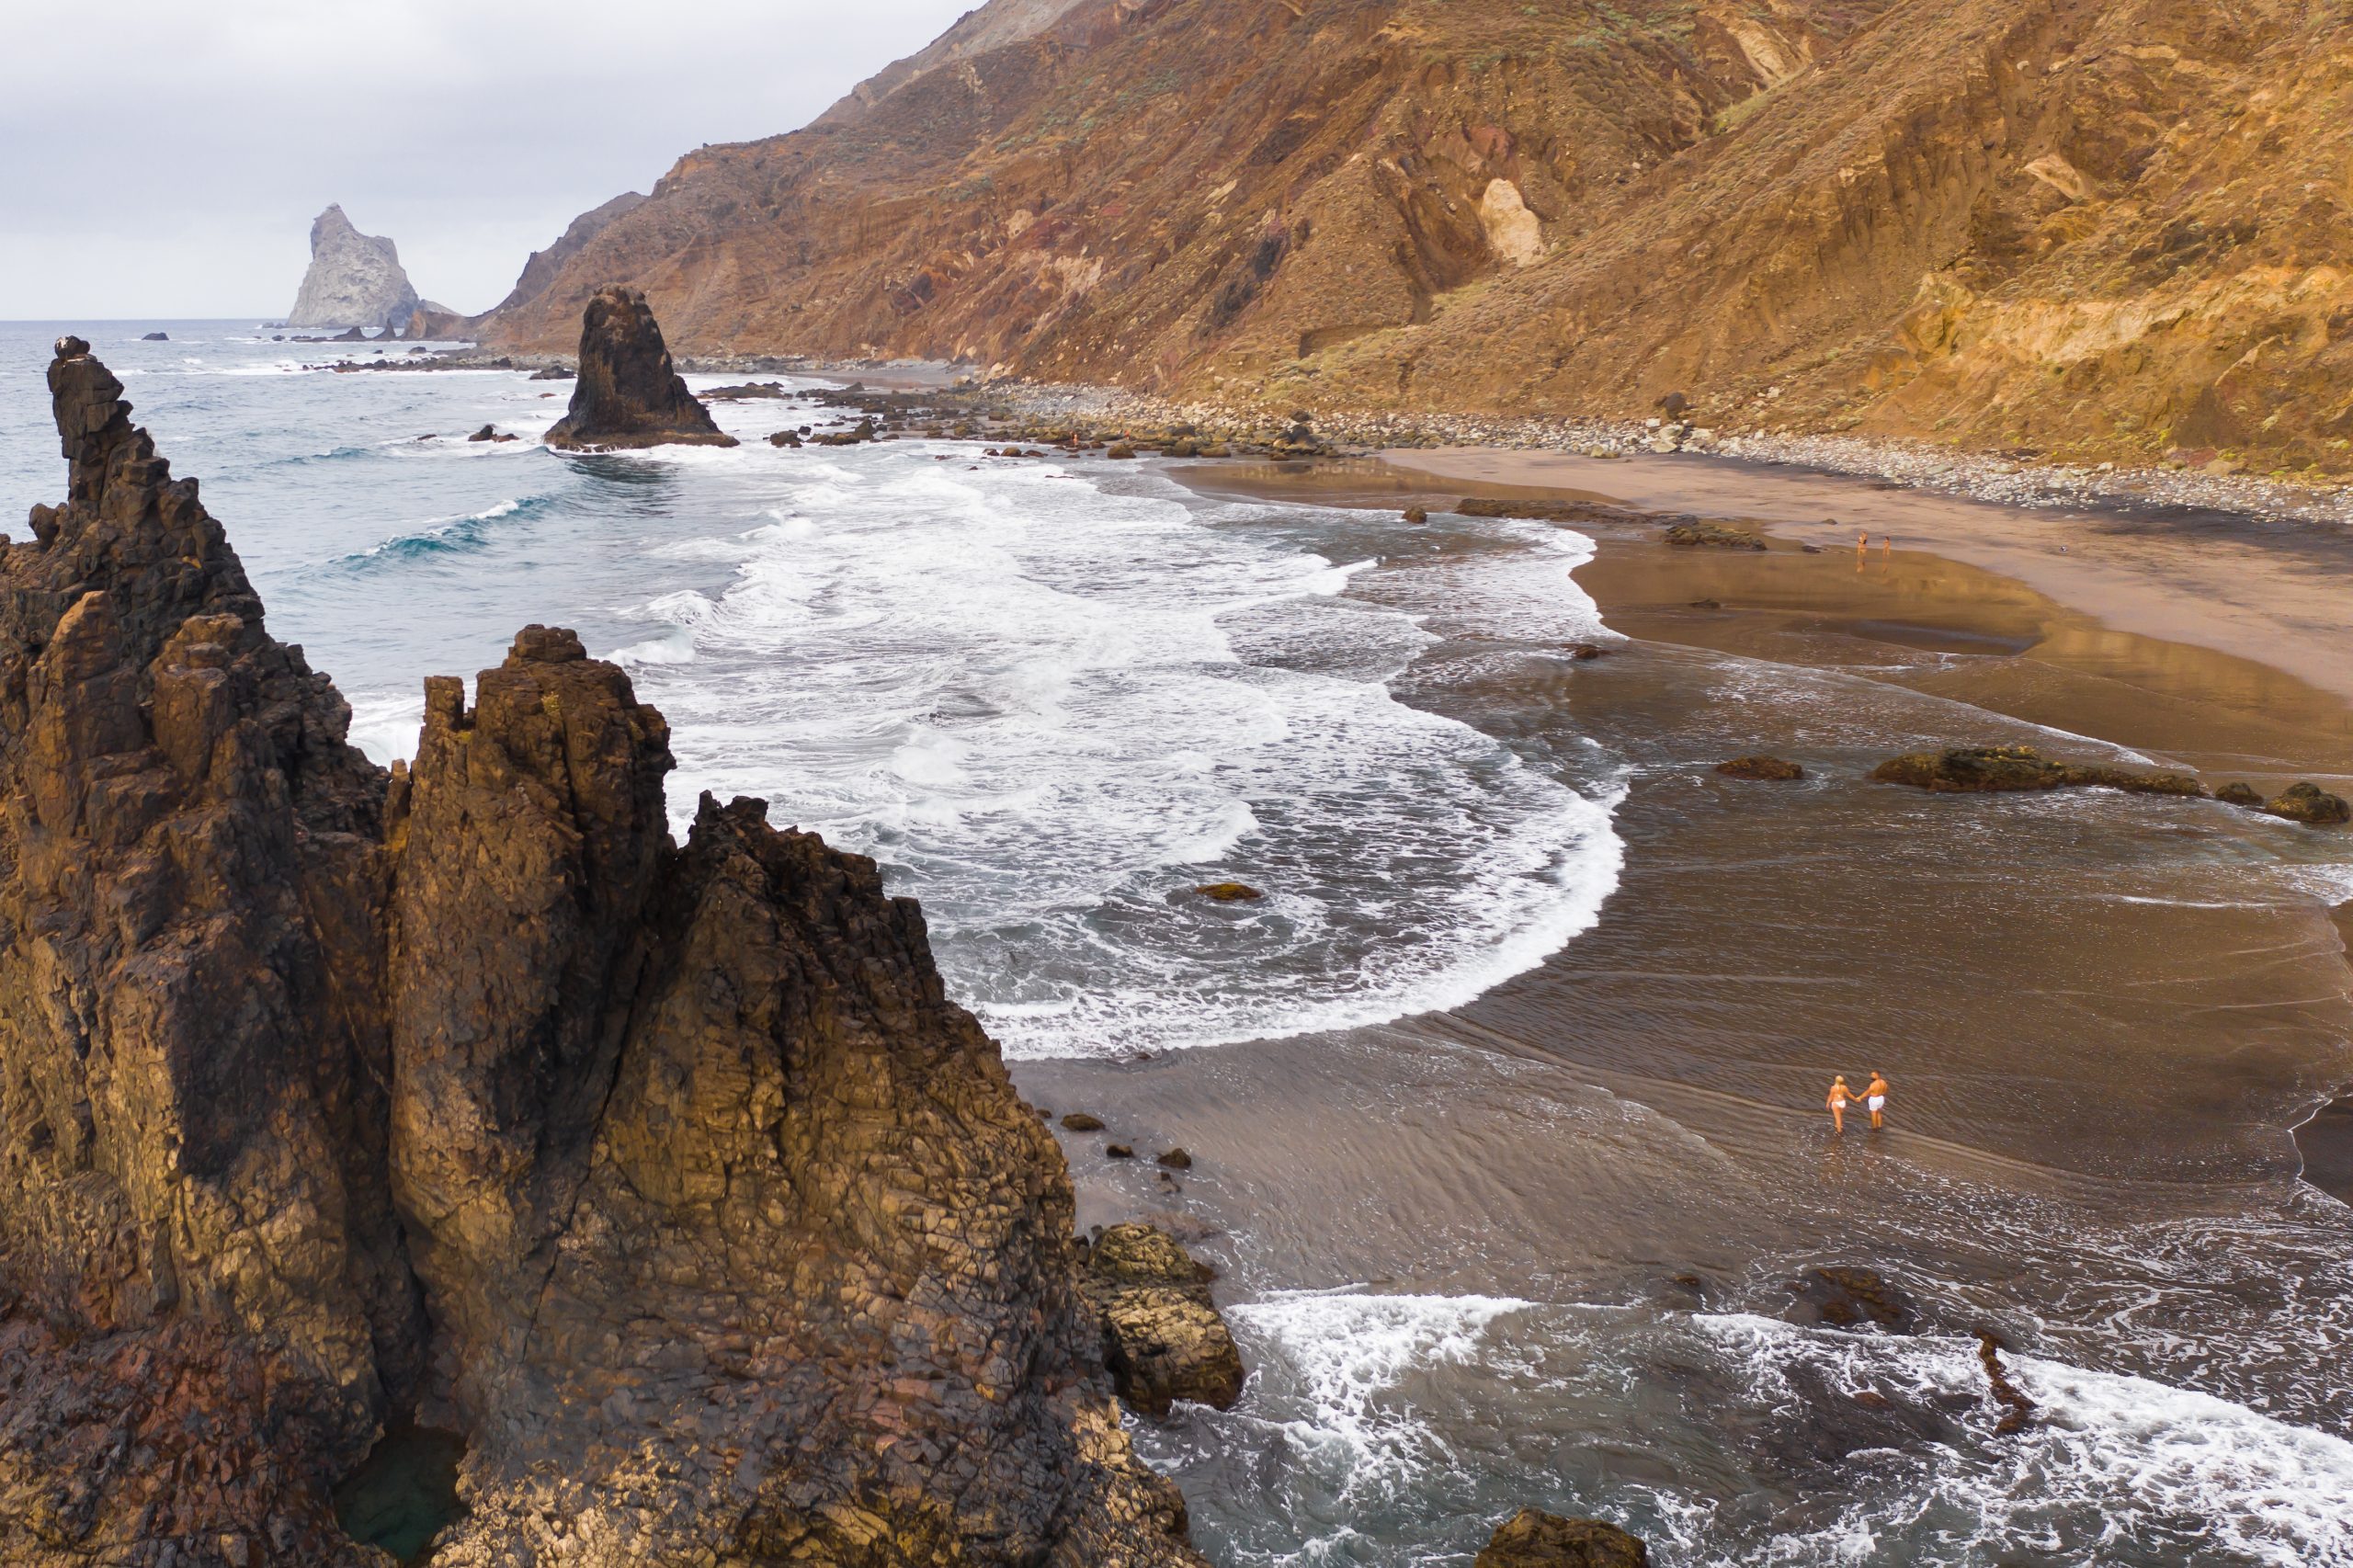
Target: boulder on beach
{"x": 1417, "y": 514}
{"x": 784, "y": 439}
{"x": 1996, "y": 769}
{"x": 629, "y": 394}
{"x": 2240, "y": 793}
{"x": 1586, "y": 650}
{"x": 2310, "y": 804}
{"x": 1228, "y": 893}
{"x": 1175, "y": 1159}
{"x": 554, "y": 373}
{"x": 1120, "y": 1151}
{"x": 1764, "y": 769}
{"x": 1533, "y": 1539}
{"x": 1120, "y": 451}
{"x": 1845, "y": 1296}
{"x": 1705, "y": 533}
{"x": 1079, "y": 1121}
{"x": 1163, "y": 1337}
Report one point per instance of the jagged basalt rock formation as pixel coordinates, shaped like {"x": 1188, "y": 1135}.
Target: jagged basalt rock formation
{"x": 628, "y": 394}
{"x": 667, "y": 1174}
{"x": 354, "y": 279}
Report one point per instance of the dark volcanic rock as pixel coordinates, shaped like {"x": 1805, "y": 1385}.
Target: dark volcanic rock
{"x": 1766, "y": 769}
{"x": 554, "y": 373}
{"x": 1163, "y": 1337}
{"x": 1845, "y": 1296}
{"x": 1532, "y": 1538}
{"x": 2310, "y": 804}
{"x": 1993, "y": 769}
{"x": 2239, "y": 793}
{"x": 154, "y": 337}
{"x": 666, "y": 1174}
{"x": 629, "y": 394}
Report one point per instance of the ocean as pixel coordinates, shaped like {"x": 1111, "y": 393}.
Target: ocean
{"x": 1527, "y": 1027}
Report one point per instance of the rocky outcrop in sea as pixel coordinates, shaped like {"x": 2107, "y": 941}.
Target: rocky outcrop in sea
{"x": 628, "y": 394}
{"x": 462, "y": 1097}
{"x": 355, "y": 279}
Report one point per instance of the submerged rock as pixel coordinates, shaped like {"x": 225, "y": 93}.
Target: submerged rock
{"x": 1844, "y": 1296}
{"x": 628, "y": 394}
{"x": 1533, "y": 1539}
{"x": 354, "y": 279}
{"x": 1163, "y": 1336}
{"x": 1229, "y": 892}
{"x": 1993, "y": 770}
{"x": 2310, "y": 804}
{"x": 1769, "y": 769}
{"x": 464, "y": 1096}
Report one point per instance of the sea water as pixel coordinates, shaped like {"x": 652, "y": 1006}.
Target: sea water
{"x": 1050, "y": 696}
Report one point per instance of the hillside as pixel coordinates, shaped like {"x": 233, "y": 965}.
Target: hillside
{"x": 2091, "y": 228}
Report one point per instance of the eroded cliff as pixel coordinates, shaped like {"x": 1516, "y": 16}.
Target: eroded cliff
{"x": 2088, "y": 227}
{"x": 669, "y": 1174}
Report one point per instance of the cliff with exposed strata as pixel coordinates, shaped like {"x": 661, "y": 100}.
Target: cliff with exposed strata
{"x": 666, "y": 1175}
{"x": 2089, "y": 228}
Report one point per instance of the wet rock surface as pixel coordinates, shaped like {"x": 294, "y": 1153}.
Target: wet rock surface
{"x": 2310, "y": 804}
{"x": 628, "y": 394}
{"x": 1763, "y": 769}
{"x": 1533, "y": 1539}
{"x": 1701, "y": 533}
{"x": 666, "y": 1176}
{"x": 1163, "y": 1336}
{"x": 1994, "y": 769}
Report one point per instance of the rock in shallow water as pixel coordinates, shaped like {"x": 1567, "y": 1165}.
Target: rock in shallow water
{"x": 1997, "y": 769}
{"x": 463, "y": 1095}
{"x": 2310, "y": 804}
{"x": 1163, "y": 1336}
{"x": 1533, "y": 1539}
{"x": 1767, "y": 770}
{"x": 628, "y": 394}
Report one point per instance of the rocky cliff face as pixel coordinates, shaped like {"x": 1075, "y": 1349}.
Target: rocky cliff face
{"x": 667, "y": 1175}
{"x": 2087, "y": 227}
{"x": 355, "y": 279}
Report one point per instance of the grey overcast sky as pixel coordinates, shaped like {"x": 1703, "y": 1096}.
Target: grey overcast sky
{"x": 165, "y": 158}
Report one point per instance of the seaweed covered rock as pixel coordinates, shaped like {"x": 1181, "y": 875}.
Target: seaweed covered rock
{"x": 628, "y": 394}
{"x": 2310, "y": 804}
{"x": 1533, "y": 1539}
{"x": 1993, "y": 769}
{"x": 666, "y": 1175}
{"x": 1706, "y": 533}
{"x": 1163, "y": 1336}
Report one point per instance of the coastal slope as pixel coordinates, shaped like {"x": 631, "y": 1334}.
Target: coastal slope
{"x": 2082, "y": 227}
{"x": 336, "y": 1101}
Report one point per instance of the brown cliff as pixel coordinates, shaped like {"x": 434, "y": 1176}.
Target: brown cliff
{"x": 328, "y": 1099}
{"x": 2089, "y": 227}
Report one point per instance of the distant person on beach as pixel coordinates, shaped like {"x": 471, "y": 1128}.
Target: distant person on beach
{"x": 1839, "y": 1095}
{"x": 1875, "y": 1096}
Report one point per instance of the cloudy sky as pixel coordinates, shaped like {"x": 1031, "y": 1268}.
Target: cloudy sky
{"x": 165, "y": 158}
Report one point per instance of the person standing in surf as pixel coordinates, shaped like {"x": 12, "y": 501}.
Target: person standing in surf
{"x": 1840, "y": 1095}
{"x": 1875, "y": 1097}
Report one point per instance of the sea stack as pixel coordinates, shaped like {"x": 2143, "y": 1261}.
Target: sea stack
{"x": 355, "y": 279}
{"x": 665, "y": 1177}
{"x": 629, "y": 394}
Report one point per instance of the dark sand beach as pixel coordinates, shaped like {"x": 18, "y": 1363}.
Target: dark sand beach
{"x": 2103, "y": 1016}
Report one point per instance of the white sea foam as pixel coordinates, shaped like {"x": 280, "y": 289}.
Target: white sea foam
{"x": 384, "y": 725}
{"x": 1344, "y": 1355}
{"x": 1035, "y": 701}
{"x": 2108, "y": 1460}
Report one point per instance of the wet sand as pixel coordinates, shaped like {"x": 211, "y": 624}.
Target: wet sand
{"x": 2103, "y": 1017}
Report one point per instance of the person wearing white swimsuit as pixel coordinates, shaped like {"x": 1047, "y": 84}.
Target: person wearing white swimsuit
{"x": 1875, "y": 1096}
